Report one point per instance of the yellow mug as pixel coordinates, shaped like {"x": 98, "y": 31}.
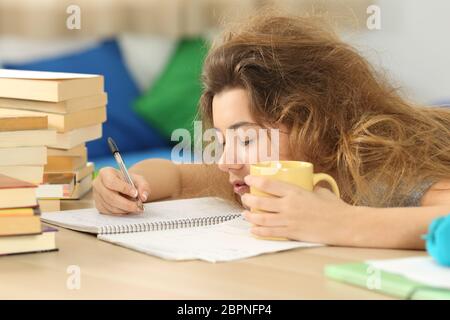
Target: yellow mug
{"x": 296, "y": 172}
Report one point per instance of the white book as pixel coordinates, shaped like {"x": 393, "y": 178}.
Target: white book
{"x": 56, "y": 185}
{"x": 41, "y": 75}
{"x": 209, "y": 229}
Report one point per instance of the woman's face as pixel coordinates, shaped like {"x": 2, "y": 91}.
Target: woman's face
{"x": 231, "y": 113}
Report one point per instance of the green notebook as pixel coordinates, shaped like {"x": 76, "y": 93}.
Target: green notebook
{"x": 364, "y": 275}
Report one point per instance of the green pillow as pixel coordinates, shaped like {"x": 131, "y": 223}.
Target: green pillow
{"x": 172, "y": 101}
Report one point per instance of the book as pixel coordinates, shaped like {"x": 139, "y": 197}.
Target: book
{"x": 209, "y": 229}
{"x": 56, "y": 185}
{"x": 77, "y": 151}
{"x": 79, "y": 173}
{"x": 48, "y": 86}
{"x": 82, "y": 187}
{"x": 49, "y": 205}
{"x": 16, "y": 193}
{"x": 423, "y": 269}
{"x": 85, "y": 171}
{"x": 13, "y": 122}
{"x": 67, "y": 106}
{"x": 32, "y": 174}
{"x": 61, "y": 163}
{"x": 27, "y": 138}
{"x": 18, "y": 156}
{"x": 75, "y": 137}
{"x": 73, "y": 191}
{"x": 393, "y": 283}
{"x": 18, "y": 211}
{"x": 20, "y": 224}
{"x": 44, "y": 242}
{"x": 62, "y": 122}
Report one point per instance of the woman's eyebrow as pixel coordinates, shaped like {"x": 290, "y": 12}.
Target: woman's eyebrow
{"x": 239, "y": 124}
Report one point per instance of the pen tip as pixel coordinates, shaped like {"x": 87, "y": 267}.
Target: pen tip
{"x": 112, "y": 145}
{"x": 140, "y": 205}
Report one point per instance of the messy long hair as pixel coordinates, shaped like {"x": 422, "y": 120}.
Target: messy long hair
{"x": 342, "y": 115}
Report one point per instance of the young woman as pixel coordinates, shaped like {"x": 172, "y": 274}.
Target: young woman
{"x": 391, "y": 159}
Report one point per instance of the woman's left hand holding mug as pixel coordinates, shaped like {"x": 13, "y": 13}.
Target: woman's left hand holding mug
{"x": 297, "y": 214}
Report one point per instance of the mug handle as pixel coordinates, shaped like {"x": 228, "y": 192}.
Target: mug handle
{"x": 317, "y": 177}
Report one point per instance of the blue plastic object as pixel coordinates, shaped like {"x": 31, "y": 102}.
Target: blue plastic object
{"x": 129, "y": 131}
{"x": 438, "y": 240}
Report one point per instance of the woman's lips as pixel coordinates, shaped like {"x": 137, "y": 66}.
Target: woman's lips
{"x": 240, "y": 187}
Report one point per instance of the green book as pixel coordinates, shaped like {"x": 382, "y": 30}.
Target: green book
{"x": 366, "y": 276}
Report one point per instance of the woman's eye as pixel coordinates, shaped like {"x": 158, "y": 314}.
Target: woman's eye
{"x": 242, "y": 143}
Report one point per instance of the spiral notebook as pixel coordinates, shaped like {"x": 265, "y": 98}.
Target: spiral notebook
{"x": 209, "y": 229}
{"x": 157, "y": 216}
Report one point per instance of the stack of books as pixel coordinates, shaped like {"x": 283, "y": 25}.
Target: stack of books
{"x": 23, "y": 151}
{"x": 20, "y": 226}
{"x": 75, "y": 106}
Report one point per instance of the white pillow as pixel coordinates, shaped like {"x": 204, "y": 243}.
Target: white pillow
{"x": 145, "y": 56}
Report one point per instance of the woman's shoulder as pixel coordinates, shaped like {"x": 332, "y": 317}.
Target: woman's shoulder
{"x": 437, "y": 194}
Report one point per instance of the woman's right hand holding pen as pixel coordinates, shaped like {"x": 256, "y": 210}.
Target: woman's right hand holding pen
{"x": 112, "y": 195}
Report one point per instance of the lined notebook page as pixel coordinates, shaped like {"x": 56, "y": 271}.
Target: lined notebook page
{"x": 227, "y": 241}
{"x": 90, "y": 220}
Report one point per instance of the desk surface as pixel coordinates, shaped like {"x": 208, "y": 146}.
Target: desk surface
{"x": 112, "y": 272}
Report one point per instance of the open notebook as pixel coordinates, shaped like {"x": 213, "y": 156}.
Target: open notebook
{"x": 415, "y": 278}
{"x": 209, "y": 229}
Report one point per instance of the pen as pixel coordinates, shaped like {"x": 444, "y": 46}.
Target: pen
{"x": 123, "y": 168}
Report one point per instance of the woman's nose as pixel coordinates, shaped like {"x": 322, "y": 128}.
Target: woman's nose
{"x": 229, "y": 162}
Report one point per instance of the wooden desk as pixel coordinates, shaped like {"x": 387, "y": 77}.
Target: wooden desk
{"x": 112, "y": 272}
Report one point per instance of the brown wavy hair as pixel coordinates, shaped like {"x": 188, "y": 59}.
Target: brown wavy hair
{"x": 342, "y": 115}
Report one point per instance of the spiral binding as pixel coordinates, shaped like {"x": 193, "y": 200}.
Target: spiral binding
{"x": 166, "y": 225}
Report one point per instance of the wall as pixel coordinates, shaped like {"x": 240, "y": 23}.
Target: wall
{"x": 413, "y": 46}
